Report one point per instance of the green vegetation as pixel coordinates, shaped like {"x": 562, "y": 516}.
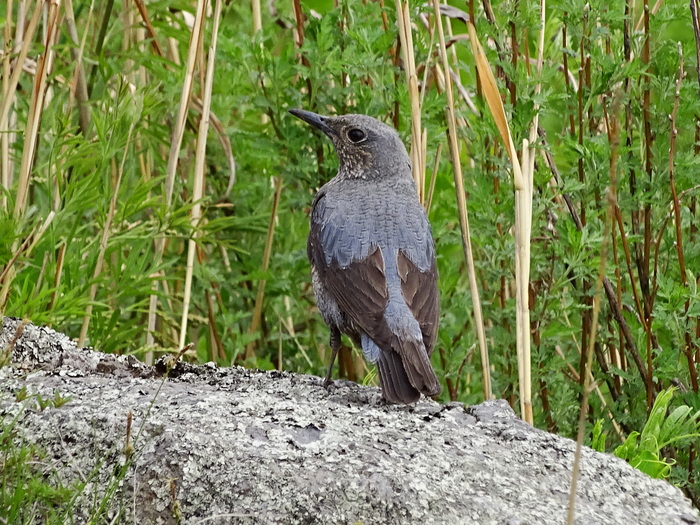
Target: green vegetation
{"x": 645, "y": 451}
{"x": 90, "y": 232}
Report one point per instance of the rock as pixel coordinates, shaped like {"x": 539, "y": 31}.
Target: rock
{"x": 229, "y": 445}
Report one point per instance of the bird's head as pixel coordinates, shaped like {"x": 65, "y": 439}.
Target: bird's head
{"x": 366, "y": 147}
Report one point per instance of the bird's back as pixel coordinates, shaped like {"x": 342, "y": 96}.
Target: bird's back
{"x": 355, "y": 218}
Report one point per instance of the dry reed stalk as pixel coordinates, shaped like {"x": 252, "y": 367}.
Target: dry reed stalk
{"x": 433, "y": 178}
{"x": 199, "y": 165}
{"x": 36, "y": 105}
{"x": 289, "y": 326}
{"x": 137, "y": 36}
{"x": 523, "y": 203}
{"x": 217, "y": 346}
{"x": 103, "y": 241}
{"x": 185, "y": 96}
{"x": 462, "y": 208}
{"x": 36, "y": 109}
{"x": 176, "y": 143}
{"x": 257, "y": 17}
{"x": 426, "y": 66}
{"x": 403, "y": 18}
{"x": 523, "y": 225}
{"x": 276, "y": 181}
{"x": 60, "y": 259}
{"x": 6, "y": 141}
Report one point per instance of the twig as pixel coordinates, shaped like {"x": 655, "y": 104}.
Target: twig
{"x": 696, "y": 31}
{"x": 612, "y": 197}
{"x": 81, "y": 93}
{"x": 689, "y": 347}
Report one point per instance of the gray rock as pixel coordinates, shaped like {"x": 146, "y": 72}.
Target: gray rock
{"x": 229, "y": 445}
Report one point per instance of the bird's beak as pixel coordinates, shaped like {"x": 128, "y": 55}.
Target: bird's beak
{"x": 317, "y": 121}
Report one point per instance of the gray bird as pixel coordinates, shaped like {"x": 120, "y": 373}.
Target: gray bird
{"x": 373, "y": 258}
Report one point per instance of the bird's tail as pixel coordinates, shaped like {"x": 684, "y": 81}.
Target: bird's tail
{"x": 405, "y": 372}
{"x": 417, "y": 365}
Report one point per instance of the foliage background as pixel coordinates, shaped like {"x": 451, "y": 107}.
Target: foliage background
{"x": 349, "y": 62}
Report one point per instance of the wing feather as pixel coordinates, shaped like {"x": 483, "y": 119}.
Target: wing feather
{"x": 359, "y": 288}
{"x": 421, "y": 294}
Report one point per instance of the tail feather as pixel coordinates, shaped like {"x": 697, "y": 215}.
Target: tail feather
{"x": 417, "y": 367}
{"x": 405, "y": 374}
{"x": 396, "y": 385}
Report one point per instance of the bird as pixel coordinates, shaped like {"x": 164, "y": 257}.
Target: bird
{"x": 372, "y": 256}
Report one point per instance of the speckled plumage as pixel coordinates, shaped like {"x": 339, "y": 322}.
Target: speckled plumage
{"x": 373, "y": 258}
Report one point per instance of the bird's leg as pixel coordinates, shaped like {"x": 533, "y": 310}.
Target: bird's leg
{"x": 335, "y": 346}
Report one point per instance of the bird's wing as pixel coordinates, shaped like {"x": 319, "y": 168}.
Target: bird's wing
{"x": 420, "y": 291}
{"x": 359, "y": 287}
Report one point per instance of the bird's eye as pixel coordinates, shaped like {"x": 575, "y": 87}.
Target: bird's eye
{"x": 356, "y": 135}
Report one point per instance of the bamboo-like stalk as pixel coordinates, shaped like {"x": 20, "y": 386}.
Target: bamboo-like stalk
{"x": 175, "y": 145}
{"x": 523, "y": 224}
{"x": 462, "y": 209}
{"x": 522, "y": 177}
{"x": 199, "y": 165}
{"x": 403, "y": 18}
{"x": 103, "y": 241}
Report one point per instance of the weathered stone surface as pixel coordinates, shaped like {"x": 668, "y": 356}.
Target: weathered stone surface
{"x": 241, "y": 446}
